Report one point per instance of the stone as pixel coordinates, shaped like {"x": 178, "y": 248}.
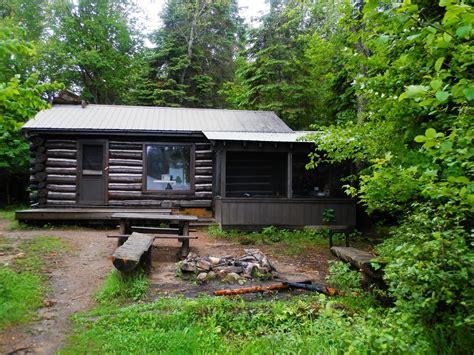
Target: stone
{"x": 188, "y": 266}
{"x": 251, "y": 269}
{"x": 214, "y": 260}
{"x": 192, "y": 256}
{"x": 202, "y": 277}
{"x": 231, "y": 277}
{"x": 211, "y": 275}
{"x": 49, "y": 303}
{"x": 203, "y": 265}
{"x": 228, "y": 269}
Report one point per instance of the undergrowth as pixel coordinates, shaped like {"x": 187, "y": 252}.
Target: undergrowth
{"x": 23, "y": 282}
{"x": 351, "y": 322}
{"x": 295, "y": 241}
{"x": 119, "y": 290}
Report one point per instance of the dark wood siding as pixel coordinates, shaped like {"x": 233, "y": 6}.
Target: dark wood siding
{"x": 259, "y": 212}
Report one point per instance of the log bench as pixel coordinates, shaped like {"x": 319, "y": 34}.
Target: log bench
{"x": 362, "y": 261}
{"x": 183, "y": 252}
{"x": 135, "y": 251}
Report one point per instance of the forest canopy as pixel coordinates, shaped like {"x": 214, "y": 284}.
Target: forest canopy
{"x": 387, "y": 85}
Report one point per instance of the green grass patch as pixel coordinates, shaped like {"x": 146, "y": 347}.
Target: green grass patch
{"x": 23, "y": 283}
{"x": 303, "y": 325}
{"x": 118, "y": 290}
{"x": 20, "y": 294}
{"x": 307, "y": 324}
{"x": 294, "y": 242}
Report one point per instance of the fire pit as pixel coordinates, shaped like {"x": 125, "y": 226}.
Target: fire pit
{"x": 252, "y": 265}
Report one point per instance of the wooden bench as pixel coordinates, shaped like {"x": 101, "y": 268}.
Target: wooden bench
{"x": 183, "y": 252}
{"x": 134, "y": 252}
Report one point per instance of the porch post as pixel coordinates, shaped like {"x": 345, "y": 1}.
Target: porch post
{"x": 289, "y": 188}
{"x": 222, "y": 172}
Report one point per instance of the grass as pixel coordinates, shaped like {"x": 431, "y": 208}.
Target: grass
{"x": 293, "y": 242}
{"x": 23, "y": 283}
{"x": 302, "y": 325}
{"x": 117, "y": 290}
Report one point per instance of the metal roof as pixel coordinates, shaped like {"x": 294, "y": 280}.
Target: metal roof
{"x": 287, "y": 137}
{"x": 152, "y": 119}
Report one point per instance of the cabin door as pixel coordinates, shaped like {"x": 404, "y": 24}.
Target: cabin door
{"x": 92, "y": 173}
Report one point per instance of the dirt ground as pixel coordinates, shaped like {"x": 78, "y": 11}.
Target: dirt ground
{"x": 76, "y": 276}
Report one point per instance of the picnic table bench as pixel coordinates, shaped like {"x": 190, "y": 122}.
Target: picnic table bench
{"x": 135, "y": 248}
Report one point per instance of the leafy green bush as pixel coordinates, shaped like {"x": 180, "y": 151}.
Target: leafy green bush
{"x": 343, "y": 278}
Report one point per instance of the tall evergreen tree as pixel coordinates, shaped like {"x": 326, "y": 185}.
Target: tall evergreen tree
{"x": 195, "y": 53}
{"x": 272, "y": 74}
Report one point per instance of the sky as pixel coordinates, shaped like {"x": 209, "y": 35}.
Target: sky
{"x": 152, "y": 9}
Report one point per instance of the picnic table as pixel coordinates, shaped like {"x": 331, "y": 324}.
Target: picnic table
{"x": 127, "y": 234}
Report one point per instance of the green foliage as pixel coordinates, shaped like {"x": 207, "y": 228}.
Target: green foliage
{"x": 93, "y": 47}
{"x": 411, "y": 71}
{"x": 218, "y": 326}
{"x": 117, "y": 289}
{"x": 195, "y": 52}
{"x": 342, "y": 278}
{"x": 329, "y": 216}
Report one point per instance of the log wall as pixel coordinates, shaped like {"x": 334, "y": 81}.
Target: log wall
{"x": 125, "y": 181}
{"x": 53, "y": 174}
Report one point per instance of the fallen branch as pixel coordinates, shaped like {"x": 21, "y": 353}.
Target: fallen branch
{"x": 280, "y": 286}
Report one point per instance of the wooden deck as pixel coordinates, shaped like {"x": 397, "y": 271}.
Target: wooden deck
{"x": 92, "y": 214}
{"x": 81, "y": 214}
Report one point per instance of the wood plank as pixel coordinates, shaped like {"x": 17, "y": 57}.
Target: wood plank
{"x": 61, "y": 179}
{"x": 61, "y": 171}
{"x": 132, "y": 178}
{"x": 125, "y": 169}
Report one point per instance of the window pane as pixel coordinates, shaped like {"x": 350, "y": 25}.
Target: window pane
{"x": 92, "y": 159}
{"x": 168, "y": 167}
{"x": 325, "y": 180}
{"x": 256, "y": 174}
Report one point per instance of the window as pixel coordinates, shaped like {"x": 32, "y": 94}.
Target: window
{"x": 92, "y": 159}
{"x": 256, "y": 174}
{"x": 325, "y": 180}
{"x": 168, "y": 167}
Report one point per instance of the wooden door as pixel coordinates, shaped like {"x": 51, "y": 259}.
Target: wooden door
{"x": 92, "y": 173}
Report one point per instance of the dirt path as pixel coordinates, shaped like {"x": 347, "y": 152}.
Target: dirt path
{"x": 73, "y": 281}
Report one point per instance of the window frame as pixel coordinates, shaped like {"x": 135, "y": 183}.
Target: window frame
{"x": 192, "y": 160}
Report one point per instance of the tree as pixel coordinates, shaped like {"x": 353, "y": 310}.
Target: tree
{"x": 195, "y": 52}
{"x": 20, "y": 99}
{"x": 92, "y": 48}
{"x": 416, "y": 141}
{"x": 277, "y": 70}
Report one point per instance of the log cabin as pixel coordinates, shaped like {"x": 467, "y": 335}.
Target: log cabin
{"x": 241, "y": 169}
